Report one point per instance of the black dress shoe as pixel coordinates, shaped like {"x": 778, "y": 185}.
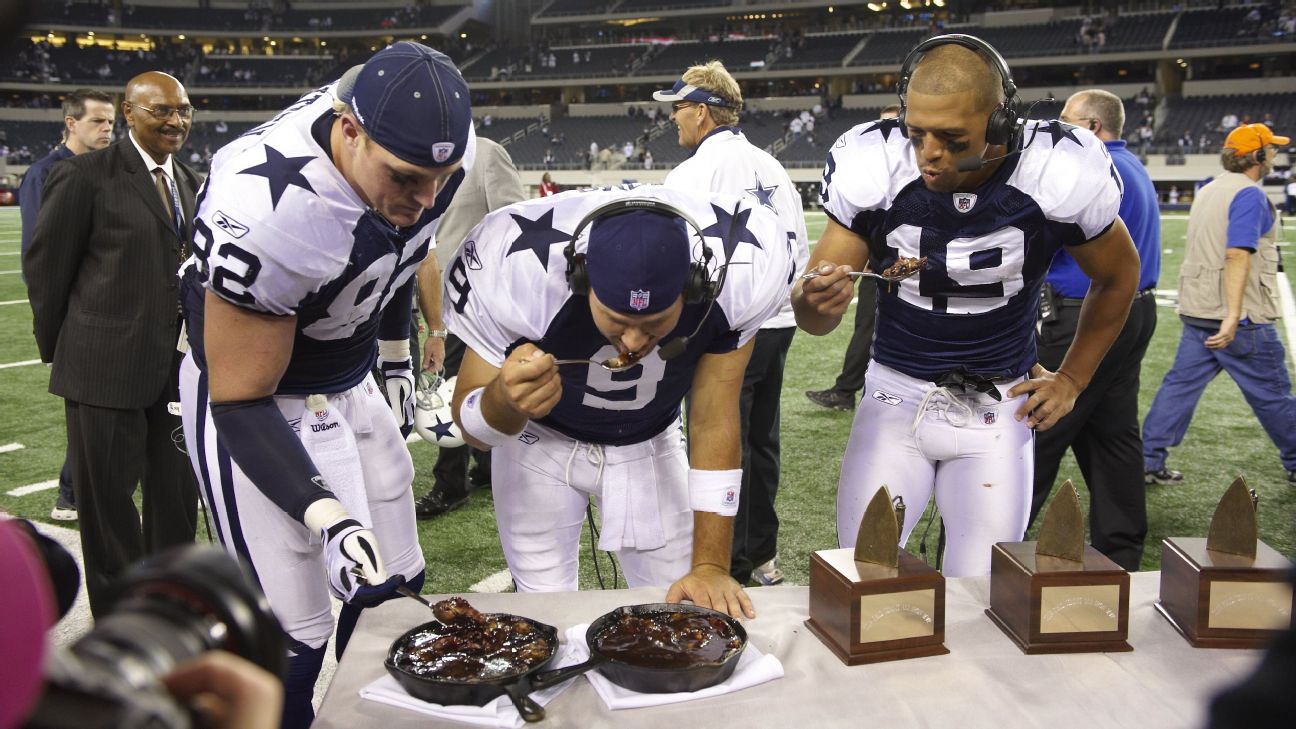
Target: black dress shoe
{"x": 435, "y": 503}
{"x": 478, "y": 477}
{"x": 832, "y": 399}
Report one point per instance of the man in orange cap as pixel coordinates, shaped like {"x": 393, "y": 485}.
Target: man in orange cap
{"x": 1228, "y": 303}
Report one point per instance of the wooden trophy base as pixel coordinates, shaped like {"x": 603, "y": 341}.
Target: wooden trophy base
{"x": 868, "y": 613}
{"x": 1219, "y": 600}
{"x": 1050, "y": 605}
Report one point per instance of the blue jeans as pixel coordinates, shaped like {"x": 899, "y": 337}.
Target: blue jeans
{"x": 1255, "y": 360}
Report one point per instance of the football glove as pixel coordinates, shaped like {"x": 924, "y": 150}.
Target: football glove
{"x": 355, "y": 568}
{"x": 397, "y": 369}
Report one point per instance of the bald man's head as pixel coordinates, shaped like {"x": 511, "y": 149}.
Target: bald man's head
{"x": 952, "y": 69}
{"x": 158, "y": 112}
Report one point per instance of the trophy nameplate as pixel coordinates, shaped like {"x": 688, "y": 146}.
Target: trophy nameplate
{"x": 876, "y": 602}
{"x": 1059, "y": 595}
{"x": 1229, "y": 590}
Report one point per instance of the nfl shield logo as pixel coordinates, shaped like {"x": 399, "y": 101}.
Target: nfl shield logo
{"x": 988, "y": 417}
{"x": 441, "y": 151}
{"x": 639, "y": 299}
{"x": 731, "y": 497}
{"x": 963, "y": 201}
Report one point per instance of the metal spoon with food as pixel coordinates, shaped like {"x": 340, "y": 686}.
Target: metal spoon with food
{"x": 616, "y": 364}
{"x": 902, "y": 269}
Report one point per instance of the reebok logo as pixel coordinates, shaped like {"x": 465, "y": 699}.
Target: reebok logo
{"x": 886, "y": 398}
{"x": 528, "y": 438}
{"x": 232, "y": 227}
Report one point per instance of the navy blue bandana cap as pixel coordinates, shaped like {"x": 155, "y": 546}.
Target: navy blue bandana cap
{"x": 687, "y": 92}
{"x": 638, "y": 262}
{"x": 414, "y": 103}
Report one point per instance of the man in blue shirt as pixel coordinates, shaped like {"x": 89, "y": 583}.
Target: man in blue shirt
{"x": 1228, "y": 301}
{"x": 1102, "y": 430}
{"x": 87, "y": 125}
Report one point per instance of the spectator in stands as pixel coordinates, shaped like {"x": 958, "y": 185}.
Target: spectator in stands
{"x": 648, "y": 160}
{"x": 87, "y": 125}
{"x": 705, "y": 104}
{"x": 548, "y": 186}
{"x": 1102, "y": 429}
{"x": 841, "y": 396}
{"x": 492, "y": 183}
{"x": 548, "y": 158}
{"x": 102, "y": 272}
{"x": 1172, "y": 197}
{"x": 1228, "y": 123}
{"x": 1230, "y": 250}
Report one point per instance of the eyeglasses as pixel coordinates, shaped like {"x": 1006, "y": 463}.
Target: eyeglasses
{"x": 682, "y": 105}
{"x": 165, "y": 112}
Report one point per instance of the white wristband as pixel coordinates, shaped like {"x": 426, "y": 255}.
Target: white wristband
{"x": 473, "y": 421}
{"x": 393, "y": 350}
{"x": 715, "y": 491}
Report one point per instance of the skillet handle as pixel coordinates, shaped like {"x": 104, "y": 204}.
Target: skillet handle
{"x": 541, "y": 680}
{"x": 520, "y": 694}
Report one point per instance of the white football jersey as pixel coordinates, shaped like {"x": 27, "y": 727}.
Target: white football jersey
{"x": 726, "y": 162}
{"x": 279, "y": 230}
{"x": 987, "y": 250}
{"x": 507, "y": 285}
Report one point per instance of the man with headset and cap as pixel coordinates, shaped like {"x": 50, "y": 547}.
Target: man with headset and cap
{"x": 307, "y": 236}
{"x": 1228, "y": 301}
{"x": 980, "y": 200}
{"x": 563, "y": 302}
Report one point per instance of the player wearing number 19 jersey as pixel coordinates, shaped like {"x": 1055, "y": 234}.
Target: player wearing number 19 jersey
{"x": 308, "y": 233}
{"x": 954, "y": 344}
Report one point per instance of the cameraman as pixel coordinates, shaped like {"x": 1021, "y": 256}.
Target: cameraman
{"x": 223, "y": 690}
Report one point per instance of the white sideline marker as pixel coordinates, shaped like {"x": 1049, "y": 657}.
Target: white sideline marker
{"x": 24, "y": 363}
{"x": 33, "y": 488}
{"x": 1288, "y": 305}
{"x": 11, "y": 447}
{"x": 498, "y": 582}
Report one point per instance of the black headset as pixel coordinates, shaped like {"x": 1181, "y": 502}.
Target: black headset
{"x": 1261, "y": 155}
{"x": 698, "y": 287}
{"x": 1003, "y": 127}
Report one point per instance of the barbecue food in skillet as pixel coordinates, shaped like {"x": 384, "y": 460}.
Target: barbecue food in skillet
{"x": 467, "y": 645}
{"x": 668, "y": 639}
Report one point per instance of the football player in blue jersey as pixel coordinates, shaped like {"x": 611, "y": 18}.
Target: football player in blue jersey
{"x": 307, "y": 236}
{"x": 547, "y": 292}
{"x": 977, "y": 200}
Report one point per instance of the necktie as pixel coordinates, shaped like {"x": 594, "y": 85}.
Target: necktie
{"x": 166, "y": 191}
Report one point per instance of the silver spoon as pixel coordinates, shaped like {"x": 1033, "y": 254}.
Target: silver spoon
{"x": 862, "y": 274}
{"x": 605, "y": 364}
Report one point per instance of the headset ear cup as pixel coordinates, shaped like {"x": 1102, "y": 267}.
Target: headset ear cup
{"x": 1261, "y": 155}
{"x": 697, "y": 288}
{"x": 577, "y": 277}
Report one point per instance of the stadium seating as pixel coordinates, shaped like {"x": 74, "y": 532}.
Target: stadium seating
{"x": 511, "y": 62}
{"x": 576, "y": 7}
{"x": 888, "y": 47}
{"x": 392, "y": 16}
{"x": 1198, "y": 28}
{"x": 823, "y": 49}
{"x": 737, "y": 55}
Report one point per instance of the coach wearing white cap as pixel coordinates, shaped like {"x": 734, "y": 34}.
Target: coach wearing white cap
{"x": 704, "y": 106}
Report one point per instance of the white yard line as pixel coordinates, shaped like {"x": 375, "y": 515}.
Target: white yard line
{"x": 24, "y": 363}
{"x": 11, "y": 447}
{"x": 33, "y": 488}
{"x": 15, "y": 301}
{"x": 2, "y": 273}
{"x": 498, "y": 582}
{"x": 1288, "y": 305}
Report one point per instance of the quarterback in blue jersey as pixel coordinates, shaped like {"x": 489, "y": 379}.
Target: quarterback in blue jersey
{"x": 307, "y": 236}
{"x": 606, "y": 275}
{"x": 982, "y": 200}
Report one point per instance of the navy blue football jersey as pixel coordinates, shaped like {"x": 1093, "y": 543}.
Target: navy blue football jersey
{"x": 988, "y": 250}
{"x": 507, "y": 286}
{"x": 279, "y": 230}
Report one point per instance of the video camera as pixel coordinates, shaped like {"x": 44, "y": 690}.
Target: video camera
{"x": 170, "y": 608}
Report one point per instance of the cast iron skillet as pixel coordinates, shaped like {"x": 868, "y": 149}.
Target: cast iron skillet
{"x": 646, "y": 679}
{"x": 446, "y": 691}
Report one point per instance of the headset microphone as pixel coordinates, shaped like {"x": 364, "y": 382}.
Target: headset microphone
{"x": 972, "y": 164}
{"x": 676, "y": 346}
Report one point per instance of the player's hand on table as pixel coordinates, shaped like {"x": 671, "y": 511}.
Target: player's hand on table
{"x": 1052, "y": 395}
{"x": 710, "y": 586}
{"x": 530, "y": 381}
{"x": 829, "y": 293}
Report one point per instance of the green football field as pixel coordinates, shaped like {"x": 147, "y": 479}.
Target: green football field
{"x": 463, "y": 550}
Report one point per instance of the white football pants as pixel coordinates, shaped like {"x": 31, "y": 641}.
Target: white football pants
{"x": 543, "y": 481}
{"x": 288, "y": 560}
{"x": 916, "y": 438}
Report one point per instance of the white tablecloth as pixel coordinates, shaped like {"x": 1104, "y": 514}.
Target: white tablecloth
{"x": 985, "y": 681}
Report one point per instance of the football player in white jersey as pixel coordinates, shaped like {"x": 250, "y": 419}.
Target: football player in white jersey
{"x": 307, "y": 236}
{"x": 982, "y": 199}
{"x": 704, "y": 105}
{"x": 599, "y": 275}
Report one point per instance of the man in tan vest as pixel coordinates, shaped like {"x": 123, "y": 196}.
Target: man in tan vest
{"x": 1228, "y": 301}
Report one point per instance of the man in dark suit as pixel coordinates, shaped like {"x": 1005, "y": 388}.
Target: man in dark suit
{"x": 87, "y": 126}
{"x": 102, "y": 282}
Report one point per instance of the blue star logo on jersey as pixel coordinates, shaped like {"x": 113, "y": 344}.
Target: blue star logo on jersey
{"x": 724, "y": 226}
{"x": 442, "y": 429}
{"x": 1059, "y": 131}
{"x": 537, "y": 236}
{"x": 764, "y": 194}
{"x": 883, "y": 127}
{"x": 281, "y": 172}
